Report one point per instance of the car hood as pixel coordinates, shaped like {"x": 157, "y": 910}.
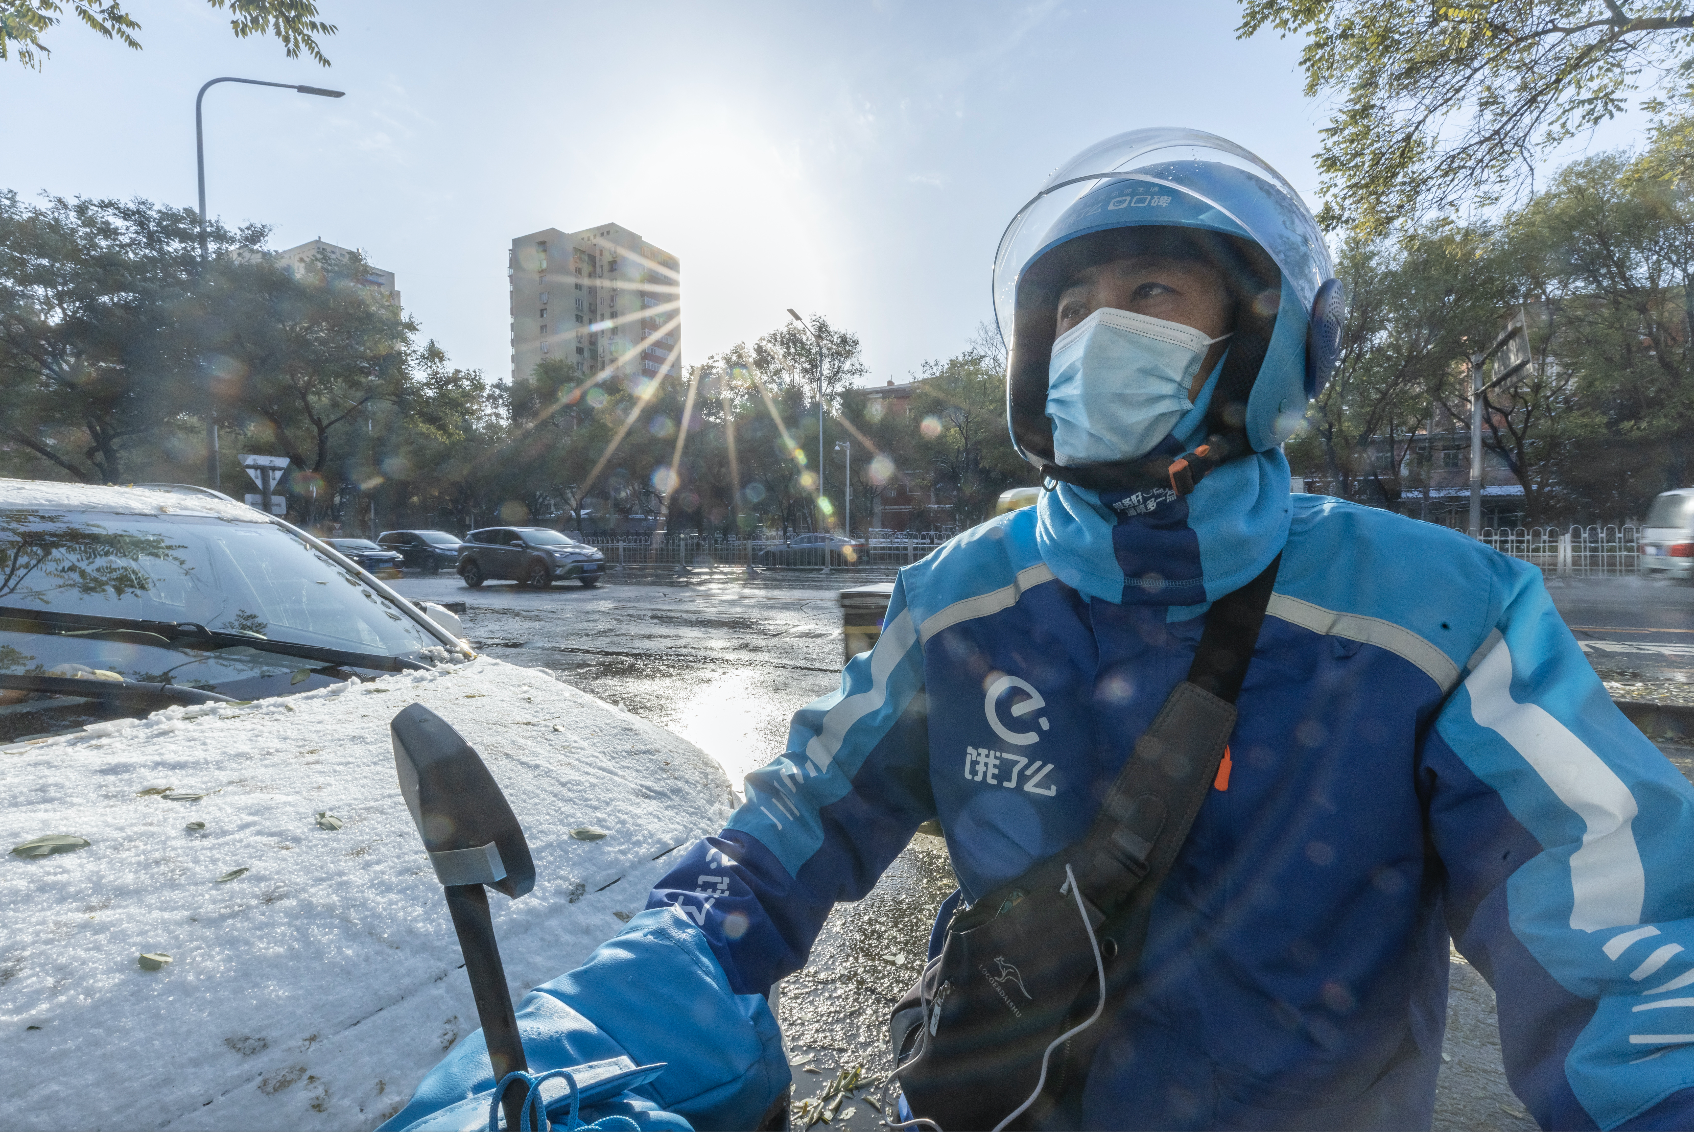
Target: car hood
{"x": 314, "y": 989}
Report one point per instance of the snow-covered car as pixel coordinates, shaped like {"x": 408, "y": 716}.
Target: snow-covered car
{"x": 117, "y": 601}
{"x": 252, "y": 937}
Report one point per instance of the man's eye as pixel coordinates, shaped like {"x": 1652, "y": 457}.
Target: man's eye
{"x": 1153, "y": 290}
{"x": 1073, "y": 312}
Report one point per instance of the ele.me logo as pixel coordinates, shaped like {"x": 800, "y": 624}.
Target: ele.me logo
{"x": 997, "y": 690}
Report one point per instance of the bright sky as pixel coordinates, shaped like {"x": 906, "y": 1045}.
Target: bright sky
{"x": 857, "y": 159}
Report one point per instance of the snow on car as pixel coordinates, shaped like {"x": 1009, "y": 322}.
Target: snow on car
{"x": 304, "y": 971}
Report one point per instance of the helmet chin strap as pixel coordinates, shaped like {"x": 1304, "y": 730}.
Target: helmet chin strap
{"x": 1179, "y": 474}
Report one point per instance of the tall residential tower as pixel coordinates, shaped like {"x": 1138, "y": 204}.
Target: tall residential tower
{"x": 603, "y": 298}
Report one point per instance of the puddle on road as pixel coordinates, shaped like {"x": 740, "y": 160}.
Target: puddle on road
{"x": 721, "y": 717}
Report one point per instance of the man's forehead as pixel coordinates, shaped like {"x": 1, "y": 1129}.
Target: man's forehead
{"x": 1141, "y": 262}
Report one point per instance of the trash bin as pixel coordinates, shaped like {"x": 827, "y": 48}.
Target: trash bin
{"x": 862, "y": 611}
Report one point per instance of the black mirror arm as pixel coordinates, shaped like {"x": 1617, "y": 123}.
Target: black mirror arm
{"x": 468, "y": 905}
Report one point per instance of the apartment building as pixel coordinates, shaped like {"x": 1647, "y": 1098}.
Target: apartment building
{"x": 302, "y": 262}
{"x": 603, "y": 299}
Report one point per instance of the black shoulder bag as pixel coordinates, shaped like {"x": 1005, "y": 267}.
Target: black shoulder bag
{"x": 1016, "y": 977}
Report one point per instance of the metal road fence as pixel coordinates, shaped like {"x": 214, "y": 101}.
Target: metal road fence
{"x": 696, "y": 551}
{"x": 1571, "y": 552}
{"x": 1561, "y": 552}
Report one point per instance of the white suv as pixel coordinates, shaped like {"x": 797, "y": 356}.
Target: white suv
{"x": 1667, "y": 540}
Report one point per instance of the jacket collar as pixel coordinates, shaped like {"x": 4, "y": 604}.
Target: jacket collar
{"x": 1155, "y": 547}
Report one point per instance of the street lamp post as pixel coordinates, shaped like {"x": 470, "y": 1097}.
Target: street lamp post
{"x": 847, "y": 515}
{"x": 200, "y": 168}
{"x": 817, "y": 368}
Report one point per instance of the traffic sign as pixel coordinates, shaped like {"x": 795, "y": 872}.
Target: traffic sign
{"x": 263, "y": 468}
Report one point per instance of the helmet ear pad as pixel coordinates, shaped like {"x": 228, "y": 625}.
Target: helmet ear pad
{"x": 1323, "y": 335}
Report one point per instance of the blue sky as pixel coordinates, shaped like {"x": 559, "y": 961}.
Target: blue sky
{"x": 858, "y": 159}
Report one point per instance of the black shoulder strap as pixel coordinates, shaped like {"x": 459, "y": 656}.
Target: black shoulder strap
{"x": 1147, "y": 813}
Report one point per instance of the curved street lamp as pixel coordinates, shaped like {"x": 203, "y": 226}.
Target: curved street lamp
{"x": 200, "y": 165}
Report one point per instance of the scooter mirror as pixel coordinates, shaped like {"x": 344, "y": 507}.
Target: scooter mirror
{"x": 467, "y": 827}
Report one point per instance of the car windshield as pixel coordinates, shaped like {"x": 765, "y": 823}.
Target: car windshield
{"x": 254, "y": 579}
{"x": 439, "y": 538}
{"x": 353, "y": 544}
{"x": 546, "y": 538}
{"x": 1671, "y": 510}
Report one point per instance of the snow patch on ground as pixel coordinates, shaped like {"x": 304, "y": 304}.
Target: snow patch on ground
{"x": 314, "y": 990}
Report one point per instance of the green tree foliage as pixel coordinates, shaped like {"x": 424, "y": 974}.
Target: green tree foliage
{"x": 1443, "y": 103}
{"x": 97, "y": 355}
{"x": 1602, "y": 266}
{"x": 961, "y": 434}
{"x": 1614, "y": 254}
{"x": 23, "y": 22}
{"x": 298, "y": 356}
{"x": 1415, "y": 309}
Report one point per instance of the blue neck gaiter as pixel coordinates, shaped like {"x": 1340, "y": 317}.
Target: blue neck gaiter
{"x": 1155, "y": 547}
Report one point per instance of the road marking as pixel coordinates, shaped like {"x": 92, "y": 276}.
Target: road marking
{"x": 1654, "y": 647}
{"x": 1613, "y": 629}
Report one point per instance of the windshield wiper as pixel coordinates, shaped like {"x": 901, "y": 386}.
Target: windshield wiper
{"x": 96, "y": 689}
{"x": 68, "y": 624}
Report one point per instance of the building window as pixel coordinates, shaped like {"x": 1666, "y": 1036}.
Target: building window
{"x": 543, "y": 347}
{"x": 544, "y": 296}
{"x": 1450, "y": 458}
{"x": 544, "y": 328}
{"x": 543, "y": 312}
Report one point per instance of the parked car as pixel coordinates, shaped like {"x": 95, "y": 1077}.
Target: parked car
{"x": 428, "y": 551}
{"x": 1667, "y": 537}
{"x": 118, "y": 601}
{"x": 530, "y": 556}
{"x": 383, "y": 563}
{"x": 807, "y": 550}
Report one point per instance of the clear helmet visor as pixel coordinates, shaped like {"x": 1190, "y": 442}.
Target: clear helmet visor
{"x": 1170, "y": 176}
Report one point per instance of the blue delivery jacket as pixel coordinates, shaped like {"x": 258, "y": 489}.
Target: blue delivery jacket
{"x": 1422, "y": 755}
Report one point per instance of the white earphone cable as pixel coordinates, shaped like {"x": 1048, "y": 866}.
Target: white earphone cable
{"x": 1099, "y": 1008}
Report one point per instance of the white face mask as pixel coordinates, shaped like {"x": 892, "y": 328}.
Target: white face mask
{"x": 1118, "y": 383}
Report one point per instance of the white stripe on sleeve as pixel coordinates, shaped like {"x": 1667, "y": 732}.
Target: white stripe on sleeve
{"x": 1606, "y": 877}
{"x": 890, "y": 648}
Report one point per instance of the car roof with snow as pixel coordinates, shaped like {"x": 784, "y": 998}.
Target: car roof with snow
{"x": 314, "y": 976}
{"x": 45, "y": 495}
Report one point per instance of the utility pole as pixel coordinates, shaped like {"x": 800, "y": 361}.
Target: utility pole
{"x": 212, "y": 473}
{"x": 847, "y": 523}
{"x": 817, "y": 367}
{"x": 1476, "y": 399}
{"x": 1512, "y": 348}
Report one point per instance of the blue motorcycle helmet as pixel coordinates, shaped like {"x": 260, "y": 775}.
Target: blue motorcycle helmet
{"x": 1188, "y": 194}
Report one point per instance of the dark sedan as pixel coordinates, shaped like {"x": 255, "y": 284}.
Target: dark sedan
{"x": 530, "y": 556}
{"x": 364, "y": 552}
{"x": 428, "y": 551}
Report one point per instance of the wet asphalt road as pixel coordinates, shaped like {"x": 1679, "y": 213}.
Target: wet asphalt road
{"x": 724, "y": 661}
{"x": 1638, "y": 634}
